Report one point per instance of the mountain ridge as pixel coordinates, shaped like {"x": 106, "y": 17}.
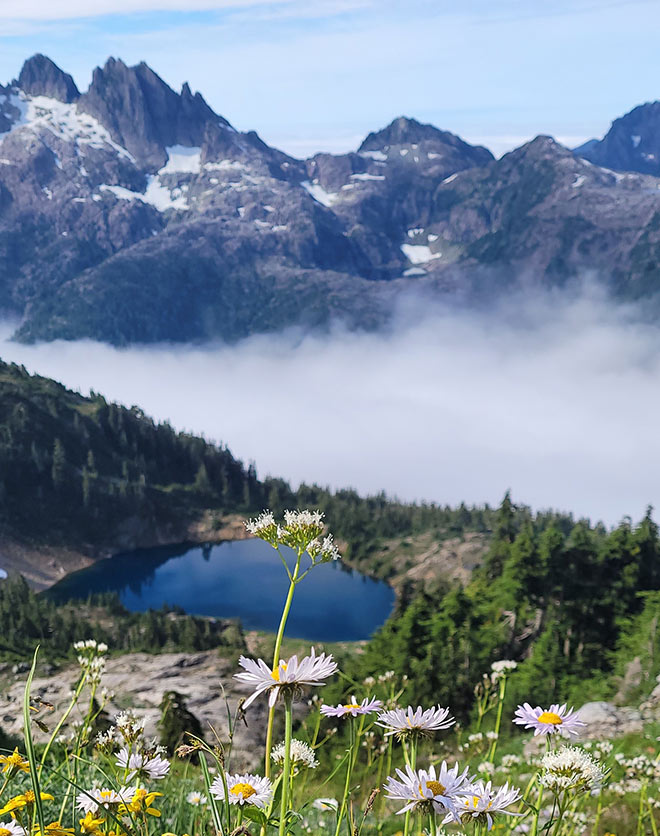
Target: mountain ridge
{"x": 133, "y": 213}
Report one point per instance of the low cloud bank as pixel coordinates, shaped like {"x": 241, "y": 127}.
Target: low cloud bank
{"x": 556, "y": 397}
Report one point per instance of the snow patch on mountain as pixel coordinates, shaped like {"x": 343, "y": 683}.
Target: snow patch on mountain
{"x": 418, "y": 253}
{"x": 64, "y": 121}
{"x": 182, "y": 159}
{"x": 319, "y": 193}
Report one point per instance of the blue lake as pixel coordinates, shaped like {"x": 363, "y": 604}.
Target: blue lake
{"x": 243, "y": 579}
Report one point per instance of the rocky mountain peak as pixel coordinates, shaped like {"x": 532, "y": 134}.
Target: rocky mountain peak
{"x": 631, "y": 144}
{"x": 401, "y": 131}
{"x": 42, "y": 77}
{"x": 144, "y": 114}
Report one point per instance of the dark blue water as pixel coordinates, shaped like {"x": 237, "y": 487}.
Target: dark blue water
{"x": 243, "y": 579}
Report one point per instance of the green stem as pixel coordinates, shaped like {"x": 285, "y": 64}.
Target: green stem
{"x": 413, "y": 763}
{"x": 498, "y": 721}
{"x": 654, "y": 826}
{"x": 535, "y": 821}
{"x": 276, "y": 658}
{"x": 287, "y": 763}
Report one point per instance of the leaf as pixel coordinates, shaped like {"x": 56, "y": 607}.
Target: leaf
{"x": 29, "y": 746}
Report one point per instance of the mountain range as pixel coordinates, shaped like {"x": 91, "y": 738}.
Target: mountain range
{"x": 133, "y": 213}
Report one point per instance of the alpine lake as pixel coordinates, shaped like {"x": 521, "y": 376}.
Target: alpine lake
{"x": 242, "y": 579}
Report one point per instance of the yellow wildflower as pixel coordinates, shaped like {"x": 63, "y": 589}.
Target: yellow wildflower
{"x": 55, "y": 829}
{"x": 15, "y": 761}
{"x": 19, "y": 801}
{"x": 142, "y": 801}
{"x": 89, "y": 824}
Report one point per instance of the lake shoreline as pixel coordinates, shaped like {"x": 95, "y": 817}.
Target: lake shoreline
{"x": 42, "y": 565}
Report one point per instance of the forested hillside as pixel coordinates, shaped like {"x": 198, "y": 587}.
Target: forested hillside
{"x": 572, "y": 603}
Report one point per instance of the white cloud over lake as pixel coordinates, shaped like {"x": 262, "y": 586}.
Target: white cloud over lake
{"x": 556, "y": 398}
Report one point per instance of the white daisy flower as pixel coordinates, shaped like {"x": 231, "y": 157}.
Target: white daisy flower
{"x": 244, "y": 789}
{"x": 406, "y": 722}
{"x": 325, "y": 804}
{"x": 11, "y": 828}
{"x": 154, "y": 768}
{"x": 288, "y": 676}
{"x": 301, "y": 753}
{"x": 90, "y": 801}
{"x": 197, "y": 799}
{"x": 353, "y": 707}
{"x": 426, "y": 789}
{"x": 482, "y": 802}
{"x": 571, "y": 768}
{"x": 556, "y": 719}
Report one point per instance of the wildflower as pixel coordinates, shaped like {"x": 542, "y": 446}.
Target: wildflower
{"x": 89, "y": 824}
{"x": 11, "y": 828}
{"x": 325, "y": 804}
{"x": 501, "y": 669}
{"x": 288, "y": 677}
{"x": 323, "y": 551}
{"x": 154, "y": 768}
{"x": 264, "y": 527}
{"x": 301, "y": 753}
{"x": 427, "y": 791}
{"x": 142, "y": 802}
{"x": 418, "y": 723}
{"x": 353, "y": 707}
{"x": 26, "y": 799}
{"x": 244, "y": 789}
{"x": 482, "y": 802}
{"x": 197, "y": 799}
{"x": 301, "y": 528}
{"x": 571, "y": 768}
{"x": 557, "y": 719}
{"x": 129, "y": 727}
{"x": 486, "y": 768}
{"x": 14, "y": 762}
{"x": 90, "y": 801}
{"x": 54, "y": 829}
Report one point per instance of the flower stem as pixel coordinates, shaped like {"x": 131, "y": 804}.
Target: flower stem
{"x": 284, "y": 804}
{"x": 276, "y": 658}
{"x": 498, "y": 720}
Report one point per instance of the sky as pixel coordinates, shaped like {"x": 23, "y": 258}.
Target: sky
{"x": 555, "y": 397}
{"x": 313, "y": 75}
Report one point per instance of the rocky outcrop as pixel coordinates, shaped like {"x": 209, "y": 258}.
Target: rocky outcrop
{"x": 139, "y": 681}
{"x": 42, "y": 77}
{"x": 143, "y": 114}
{"x": 606, "y": 721}
{"x": 631, "y": 144}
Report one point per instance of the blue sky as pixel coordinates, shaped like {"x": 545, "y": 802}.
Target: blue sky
{"x": 320, "y": 74}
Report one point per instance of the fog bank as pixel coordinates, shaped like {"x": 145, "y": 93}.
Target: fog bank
{"x": 555, "y": 397}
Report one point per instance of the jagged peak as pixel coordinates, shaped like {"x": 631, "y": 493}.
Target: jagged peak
{"x": 40, "y": 76}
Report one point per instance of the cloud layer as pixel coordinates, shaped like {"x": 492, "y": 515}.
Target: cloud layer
{"x": 556, "y": 398}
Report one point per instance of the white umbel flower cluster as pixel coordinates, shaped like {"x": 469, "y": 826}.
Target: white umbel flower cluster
{"x": 572, "y": 769}
{"x": 301, "y": 531}
{"x": 301, "y": 754}
{"x": 501, "y": 669}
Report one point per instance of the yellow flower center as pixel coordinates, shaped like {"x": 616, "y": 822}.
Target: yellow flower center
{"x": 106, "y": 794}
{"x": 276, "y": 673}
{"x": 435, "y": 786}
{"x": 4, "y": 831}
{"x": 550, "y": 718}
{"x": 29, "y": 797}
{"x": 246, "y": 790}
{"x": 351, "y": 705}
